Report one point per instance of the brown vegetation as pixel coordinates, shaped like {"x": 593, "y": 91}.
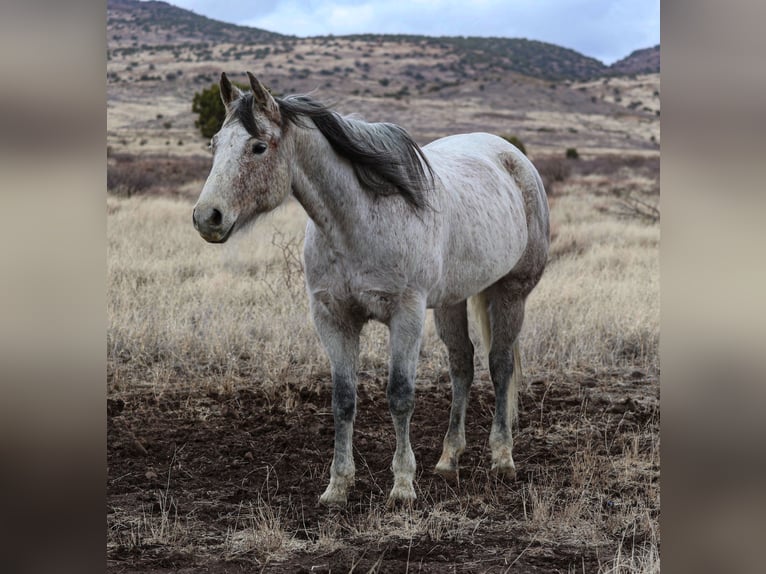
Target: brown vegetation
{"x": 128, "y": 174}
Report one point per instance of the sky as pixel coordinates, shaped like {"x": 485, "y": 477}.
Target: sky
{"x": 607, "y": 30}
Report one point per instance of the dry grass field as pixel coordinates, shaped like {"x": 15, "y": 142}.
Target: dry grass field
{"x": 219, "y": 420}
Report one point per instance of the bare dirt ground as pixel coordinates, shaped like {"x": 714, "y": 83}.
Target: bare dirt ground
{"x": 228, "y": 481}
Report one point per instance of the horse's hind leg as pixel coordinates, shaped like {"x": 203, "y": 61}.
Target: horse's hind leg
{"x": 452, "y": 326}
{"x": 506, "y": 314}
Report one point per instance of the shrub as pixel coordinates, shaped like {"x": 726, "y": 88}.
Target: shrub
{"x": 572, "y": 153}
{"x": 127, "y": 180}
{"x": 515, "y": 141}
{"x": 553, "y": 170}
{"x": 210, "y": 110}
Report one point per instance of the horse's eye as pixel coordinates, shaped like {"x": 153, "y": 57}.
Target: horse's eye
{"x": 259, "y": 147}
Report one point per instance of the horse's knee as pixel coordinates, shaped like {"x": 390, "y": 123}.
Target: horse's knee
{"x": 501, "y": 365}
{"x": 400, "y": 393}
{"x": 461, "y": 364}
{"x": 343, "y": 399}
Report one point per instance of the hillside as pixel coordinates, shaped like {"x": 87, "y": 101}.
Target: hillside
{"x": 551, "y": 97}
{"x": 528, "y": 57}
{"x": 131, "y": 23}
{"x": 134, "y": 24}
{"x": 646, "y": 61}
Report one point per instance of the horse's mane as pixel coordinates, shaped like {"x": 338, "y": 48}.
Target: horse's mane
{"x": 384, "y": 156}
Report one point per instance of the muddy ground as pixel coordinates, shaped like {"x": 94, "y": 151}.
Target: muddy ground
{"x": 213, "y": 480}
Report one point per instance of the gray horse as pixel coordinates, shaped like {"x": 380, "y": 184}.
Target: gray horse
{"x": 393, "y": 230}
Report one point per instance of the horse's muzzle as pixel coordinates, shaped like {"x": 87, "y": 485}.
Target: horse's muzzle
{"x": 209, "y": 222}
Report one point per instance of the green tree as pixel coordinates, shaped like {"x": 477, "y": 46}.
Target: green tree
{"x": 210, "y": 110}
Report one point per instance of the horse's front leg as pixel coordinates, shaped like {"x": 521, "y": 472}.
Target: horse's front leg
{"x": 341, "y": 341}
{"x": 406, "y": 328}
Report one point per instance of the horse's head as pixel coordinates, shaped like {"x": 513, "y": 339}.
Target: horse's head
{"x": 251, "y": 170}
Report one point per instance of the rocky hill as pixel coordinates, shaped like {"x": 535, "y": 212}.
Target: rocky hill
{"x": 646, "y": 61}
{"x": 528, "y": 57}
{"x": 553, "y": 98}
{"x": 140, "y": 25}
{"x": 131, "y": 23}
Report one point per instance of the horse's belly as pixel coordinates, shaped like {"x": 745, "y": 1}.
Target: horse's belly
{"x": 481, "y": 254}
{"x": 463, "y": 280}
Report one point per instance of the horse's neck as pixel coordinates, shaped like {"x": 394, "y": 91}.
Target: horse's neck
{"x": 326, "y": 186}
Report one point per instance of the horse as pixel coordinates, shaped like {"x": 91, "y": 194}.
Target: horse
{"x": 393, "y": 229}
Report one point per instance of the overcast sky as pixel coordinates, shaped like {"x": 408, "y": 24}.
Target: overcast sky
{"x": 603, "y": 29}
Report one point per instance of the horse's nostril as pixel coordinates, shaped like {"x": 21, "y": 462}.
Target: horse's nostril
{"x": 216, "y": 217}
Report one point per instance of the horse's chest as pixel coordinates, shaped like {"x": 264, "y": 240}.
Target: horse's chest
{"x": 367, "y": 293}
{"x": 363, "y": 304}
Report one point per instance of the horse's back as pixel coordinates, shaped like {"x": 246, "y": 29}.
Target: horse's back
{"x": 476, "y": 141}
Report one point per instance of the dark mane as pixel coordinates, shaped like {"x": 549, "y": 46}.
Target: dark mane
{"x": 386, "y": 159}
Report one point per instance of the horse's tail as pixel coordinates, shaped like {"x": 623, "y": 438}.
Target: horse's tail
{"x": 479, "y": 308}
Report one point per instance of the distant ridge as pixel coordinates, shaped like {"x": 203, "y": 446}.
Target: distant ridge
{"x": 140, "y": 25}
{"x": 645, "y": 61}
{"x": 528, "y": 57}
{"x": 157, "y": 22}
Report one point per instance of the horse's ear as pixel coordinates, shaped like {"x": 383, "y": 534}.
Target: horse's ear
{"x": 229, "y": 92}
{"x": 263, "y": 99}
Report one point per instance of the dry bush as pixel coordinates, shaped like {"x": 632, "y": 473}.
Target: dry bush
{"x": 128, "y": 174}
{"x": 612, "y": 164}
{"x": 629, "y": 204}
{"x": 553, "y": 170}
{"x": 127, "y": 180}
{"x": 259, "y": 533}
{"x": 642, "y": 560}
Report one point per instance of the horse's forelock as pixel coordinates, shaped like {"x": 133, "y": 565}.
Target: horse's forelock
{"x": 242, "y": 112}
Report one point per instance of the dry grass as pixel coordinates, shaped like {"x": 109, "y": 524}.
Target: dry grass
{"x": 220, "y": 317}
{"x": 179, "y": 307}
{"x": 259, "y": 533}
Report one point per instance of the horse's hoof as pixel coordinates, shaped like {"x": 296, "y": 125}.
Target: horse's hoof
{"x": 394, "y": 503}
{"x": 504, "y": 469}
{"x": 401, "y": 494}
{"x": 447, "y": 470}
{"x": 333, "y": 498}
